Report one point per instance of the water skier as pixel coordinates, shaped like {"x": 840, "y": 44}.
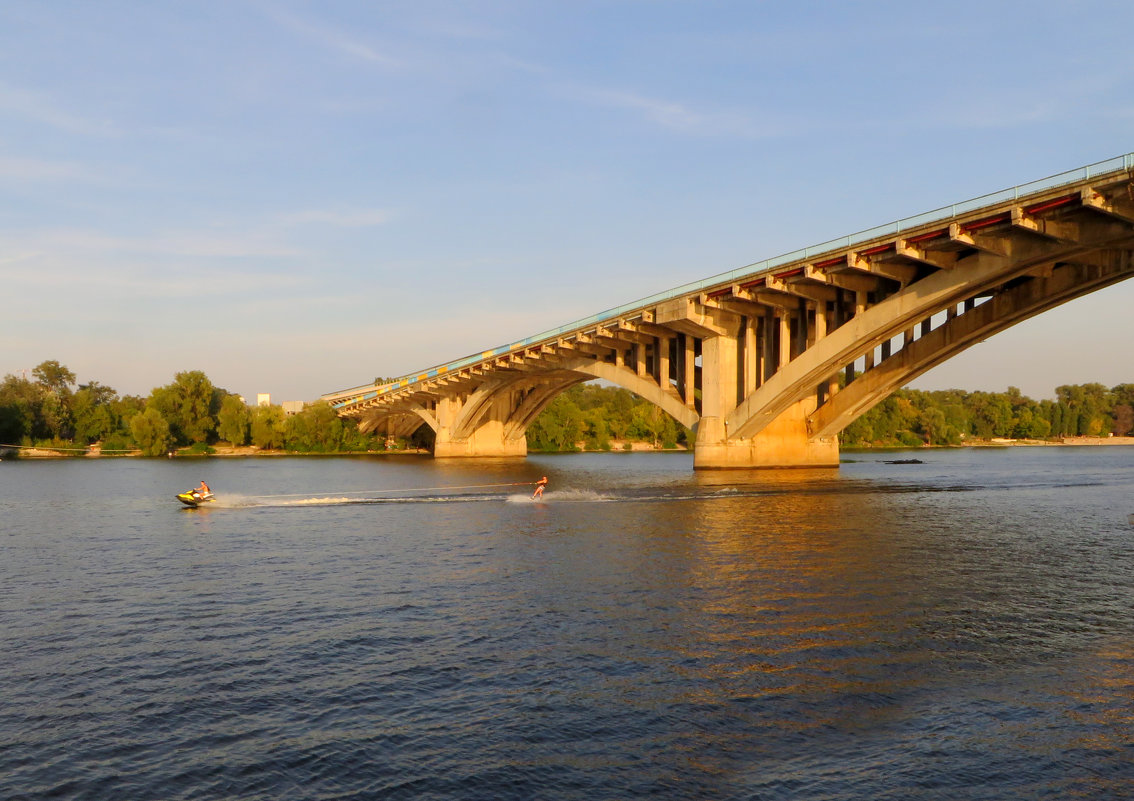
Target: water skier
{"x": 538, "y": 494}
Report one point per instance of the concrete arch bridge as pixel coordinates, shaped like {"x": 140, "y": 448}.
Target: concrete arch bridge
{"x": 751, "y": 359}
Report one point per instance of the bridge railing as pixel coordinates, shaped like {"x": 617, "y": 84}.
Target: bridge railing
{"x": 940, "y": 215}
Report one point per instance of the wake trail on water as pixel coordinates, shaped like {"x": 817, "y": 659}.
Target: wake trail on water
{"x": 630, "y": 495}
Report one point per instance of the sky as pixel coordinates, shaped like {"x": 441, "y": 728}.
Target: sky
{"x": 299, "y": 197}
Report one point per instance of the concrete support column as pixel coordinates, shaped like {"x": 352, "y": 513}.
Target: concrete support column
{"x": 785, "y": 339}
{"x": 663, "y": 362}
{"x": 751, "y": 356}
{"x": 820, "y": 329}
{"x": 770, "y": 327}
{"x": 689, "y": 363}
{"x": 806, "y": 335}
{"x": 718, "y": 391}
{"x": 718, "y": 371}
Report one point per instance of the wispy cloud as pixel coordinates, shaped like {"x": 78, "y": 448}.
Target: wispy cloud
{"x": 18, "y": 257}
{"x": 42, "y": 109}
{"x": 173, "y": 244}
{"x": 329, "y": 37}
{"x": 684, "y": 118}
{"x": 71, "y": 277}
{"x": 343, "y": 218}
{"x": 39, "y": 170}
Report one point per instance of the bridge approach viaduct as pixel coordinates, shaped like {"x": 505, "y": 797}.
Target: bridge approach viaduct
{"x": 766, "y": 364}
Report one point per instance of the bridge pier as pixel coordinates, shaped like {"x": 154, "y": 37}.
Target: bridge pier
{"x": 486, "y": 441}
{"x": 783, "y": 443}
{"x": 726, "y": 368}
{"x": 486, "y": 433}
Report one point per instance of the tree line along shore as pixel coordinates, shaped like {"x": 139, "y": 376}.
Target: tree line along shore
{"x": 52, "y": 414}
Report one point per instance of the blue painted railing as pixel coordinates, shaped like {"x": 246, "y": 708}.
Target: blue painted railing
{"x": 1096, "y": 170}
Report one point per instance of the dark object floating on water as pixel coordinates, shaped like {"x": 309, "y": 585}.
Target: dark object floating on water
{"x": 905, "y": 461}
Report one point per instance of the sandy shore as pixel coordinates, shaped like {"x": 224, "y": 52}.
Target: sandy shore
{"x": 1039, "y": 442}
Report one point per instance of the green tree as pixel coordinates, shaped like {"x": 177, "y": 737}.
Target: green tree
{"x": 858, "y": 432}
{"x": 316, "y": 429}
{"x": 54, "y": 377}
{"x": 992, "y": 414}
{"x": 559, "y": 426}
{"x": 1055, "y": 417}
{"x": 1123, "y": 394}
{"x": 190, "y": 405}
{"x": 1090, "y": 405}
{"x": 1123, "y": 420}
{"x": 92, "y": 412}
{"x": 596, "y": 432}
{"x": 234, "y": 420}
{"x": 268, "y": 427}
{"x": 28, "y": 411}
{"x": 151, "y": 432}
{"x": 19, "y": 401}
{"x": 933, "y": 426}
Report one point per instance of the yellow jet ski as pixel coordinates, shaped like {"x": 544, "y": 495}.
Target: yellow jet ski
{"x": 195, "y": 498}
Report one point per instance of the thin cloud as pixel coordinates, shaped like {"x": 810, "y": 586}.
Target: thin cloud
{"x": 39, "y": 108}
{"x": 4, "y": 260}
{"x": 68, "y": 277}
{"x": 38, "y": 170}
{"x": 682, "y": 118}
{"x": 329, "y": 38}
{"x": 211, "y": 244}
{"x": 349, "y": 218}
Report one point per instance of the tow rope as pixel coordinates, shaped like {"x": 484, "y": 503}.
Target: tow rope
{"x": 404, "y": 489}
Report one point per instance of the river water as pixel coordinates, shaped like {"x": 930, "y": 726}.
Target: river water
{"x": 391, "y": 628}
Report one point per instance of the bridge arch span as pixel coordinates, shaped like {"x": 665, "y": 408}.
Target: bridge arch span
{"x": 977, "y": 323}
{"x": 511, "y": 402}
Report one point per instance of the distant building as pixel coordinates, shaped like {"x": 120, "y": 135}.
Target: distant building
{"x": 264, "y": 399}
{"x": 293, "y": 407}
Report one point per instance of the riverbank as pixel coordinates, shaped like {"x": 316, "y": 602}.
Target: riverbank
{"x": 1076, "y": 441}
{"x": 244, "y": 451}
{"x": 222, "y": 451}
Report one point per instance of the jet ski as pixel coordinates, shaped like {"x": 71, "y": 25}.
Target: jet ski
{"x": 195, "y": 498}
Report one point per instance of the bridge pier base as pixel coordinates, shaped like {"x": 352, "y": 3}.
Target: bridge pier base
{"x": 783, "y": 443}
{"x": 482, "y": 443}
{"x": 489, "y": 438}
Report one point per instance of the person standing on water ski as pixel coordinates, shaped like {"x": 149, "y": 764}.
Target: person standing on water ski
{"x": 538, "y": 494}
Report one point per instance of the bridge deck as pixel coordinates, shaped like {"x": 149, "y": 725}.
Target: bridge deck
{"x": 808, "y": 266}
